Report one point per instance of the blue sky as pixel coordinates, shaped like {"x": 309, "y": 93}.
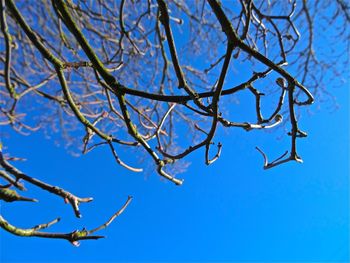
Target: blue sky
{"x": 232, "y": 210}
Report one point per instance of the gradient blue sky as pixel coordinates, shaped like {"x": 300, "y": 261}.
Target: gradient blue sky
{"x": 232, "y": 210}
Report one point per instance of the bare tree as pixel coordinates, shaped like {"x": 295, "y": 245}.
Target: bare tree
{"x": 134, "y": 74}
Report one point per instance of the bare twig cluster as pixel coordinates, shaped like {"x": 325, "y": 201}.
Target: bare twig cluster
{"x": 13, "y": 176}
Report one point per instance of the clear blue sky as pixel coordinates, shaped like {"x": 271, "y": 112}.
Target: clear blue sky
{"x": 232, "y": 210}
